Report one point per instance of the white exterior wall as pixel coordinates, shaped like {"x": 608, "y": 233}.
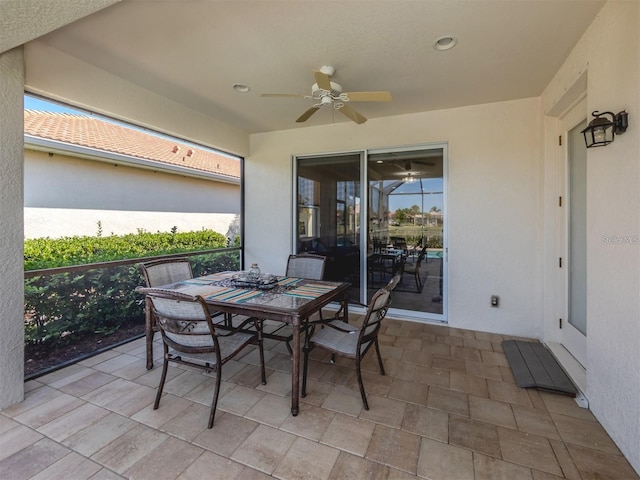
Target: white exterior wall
{"x": 67, "y": 196}
{"x": 609, "y": 53}
{"x": 494, "y": 204}
{"x": 11, "y": 253}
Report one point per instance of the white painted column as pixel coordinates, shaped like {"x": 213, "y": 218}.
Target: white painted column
{"x": 11, "y": 227}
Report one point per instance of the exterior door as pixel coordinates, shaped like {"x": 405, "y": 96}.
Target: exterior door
{"x": 574, "y": 329}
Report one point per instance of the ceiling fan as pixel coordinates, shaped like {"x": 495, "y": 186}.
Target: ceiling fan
{"x": 326, "y": 92}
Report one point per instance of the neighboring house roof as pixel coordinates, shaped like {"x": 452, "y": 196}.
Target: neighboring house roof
{"x": 86, "y": 131}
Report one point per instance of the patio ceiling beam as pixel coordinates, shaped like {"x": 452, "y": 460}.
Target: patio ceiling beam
{"x": 24, "y": 20}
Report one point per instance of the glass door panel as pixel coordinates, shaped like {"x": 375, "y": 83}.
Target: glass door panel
{"x": 328, "y": 213}
{"x": 405, "y": 225}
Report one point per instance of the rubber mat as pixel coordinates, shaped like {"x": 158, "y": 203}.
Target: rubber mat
{"x": 533, "y": 366}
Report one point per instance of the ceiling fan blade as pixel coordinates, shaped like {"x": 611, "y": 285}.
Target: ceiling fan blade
{"x": 369, "y": 96}
{"x": 305, "y": 116}
{"x": 323, "y": 80}
{"x": 352, "y": 114}
{"x": 291, "y": 95}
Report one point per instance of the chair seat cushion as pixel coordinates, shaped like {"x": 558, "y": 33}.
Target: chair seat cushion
{"x": 343, "y": 343}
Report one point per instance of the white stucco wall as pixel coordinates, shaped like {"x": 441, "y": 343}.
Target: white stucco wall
{"x": 494, "y": 210}
{"x": 610, "y": 54}
{"x": 67, "y": 196}
{"x": 11, "y": 253}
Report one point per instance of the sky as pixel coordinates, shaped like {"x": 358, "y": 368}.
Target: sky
{"x": 32, "y": 103}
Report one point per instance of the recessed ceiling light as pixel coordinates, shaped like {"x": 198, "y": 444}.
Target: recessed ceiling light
{"x": 446, "y": 42}
{"x": 238, "y": 87}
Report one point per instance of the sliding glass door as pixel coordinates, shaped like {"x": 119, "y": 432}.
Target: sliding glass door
{"x": 394, "y": 226}
{"x": 328, "y": 213}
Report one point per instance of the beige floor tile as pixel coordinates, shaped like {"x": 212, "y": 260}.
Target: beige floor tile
{"x": 165, "y": 462}
{"x": 439, "y": 461}
{"x": 32, "y": 399}
{"x": 431, "y": 376}
{"x": 344, "y": 400}
{"x": 31, "y": 460}
{"x": 105, "y": 474}
{"x": 585, "y": 433}
{"x": 599, "y": 465}
{"x": 111, "y": 392}
{"x": 477, "y": 436}
{"x": 353, "y": 467}
{"x": 466, "y": 353}
{"x": 310, "y": 423}
{"x": 374, "y": 383}
{"x": 170, "y": 407}
{"x": 210, "y": 465}
{"x": 491, "y": 411}
{"x": 116, "y": 363}
{"x": 87, "y": 383}
{"x": 271, "y": 410}
{"x": 488, "y": 468}
{"x": 348, "y": 434}
{"x": 182, "y": 384}
{"x": 228, "y": 432}
{"x": 340, "y": 375}
{"x": 99, "y": 434}
{"x": 132, "y": 401}
{"x": 203, "y": 393}
{"x": 448, "y": 363}
{"x": 239, "y": 399}
{"x": 537, "y": 422}
{"x": 7, "y": 424}
{"x": 426, "y": 422}
{"x": 278, "y": 383}
{"x": 468, "y": 384}
{"x": 448, "y": 400}
{"x": 395, "y": 448}
{"x": 565, "y": 405}
{"x": 16, "y": 439}
{"x": 480, "y": 369}
{"x": 72, "y": 466}
{"x": 250, "y": 376}
{"x": 408, "y": 344}
{"x": 280, "y": 362}
{"x": 384, "y": 411}
{"x": 478, "y": 344}
{"x": 398, "y": 369}
{"x": 308, "y": 460}
{"x": 190, "y": 423}
{"x": 64, "y": 376}
{"x": 528, "y": 450}
{"x": 506, "y": 392}
{"x": 317, "y": 392}
{"x": 49, "y": 411}
{"x": 101, "y": 357}
{"x": 129, "y": 448}
{"x": 406, "y": 391}
{"x": 417, "y": 357}
{"x": 73, "y": 421}
{"x": 264, "y": 449}
{"x": 494, "y": 358}
{"x": 132, "y": 370}
{"x": 567, "y": 464}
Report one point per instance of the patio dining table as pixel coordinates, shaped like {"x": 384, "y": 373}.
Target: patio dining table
{"x": 287, "y": 299}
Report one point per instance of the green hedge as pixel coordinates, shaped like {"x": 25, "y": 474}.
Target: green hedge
{"x": 62, "y": 309}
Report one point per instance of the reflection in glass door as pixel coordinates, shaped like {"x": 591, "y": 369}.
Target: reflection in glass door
{"x": 328, "y": 214}
{"x": 405, "y": 225}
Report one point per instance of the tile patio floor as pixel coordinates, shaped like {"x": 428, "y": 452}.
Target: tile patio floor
{"x": 447, "y": 409}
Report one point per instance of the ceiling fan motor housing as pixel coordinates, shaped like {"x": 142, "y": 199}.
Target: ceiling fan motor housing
{"x": 336, "y": 90}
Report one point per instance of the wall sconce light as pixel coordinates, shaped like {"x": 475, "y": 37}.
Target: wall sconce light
{"x": 601, "y": 130}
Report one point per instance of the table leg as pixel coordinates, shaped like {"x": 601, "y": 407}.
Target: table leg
{"x": 149, "y": 333}
{"x": 295, "y": 373}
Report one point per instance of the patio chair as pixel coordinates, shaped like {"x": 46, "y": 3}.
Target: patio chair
{"x": 414, "y": 269}
{"x": 190, "y": 338}
{"x": 344, "y": 339}
{"x": 157, "y": 273}
{"x": 307, "y": 266}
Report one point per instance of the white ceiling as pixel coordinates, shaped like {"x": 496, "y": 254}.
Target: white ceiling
{"x": 193, "y": 51}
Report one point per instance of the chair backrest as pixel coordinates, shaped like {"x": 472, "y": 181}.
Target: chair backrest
{"x": 185, "y": 322}
{"x": 393, "y": 282}
{"x": 306, "y": 266}
{"x": 376, "y": 311}
{"x": 166, "y": 271}
{"x": 421, "y": 255}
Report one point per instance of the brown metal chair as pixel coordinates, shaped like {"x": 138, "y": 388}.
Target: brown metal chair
{"x": 190, "y": 338}
{"x": 157, "y": 273}
{"x": 305, "y": 265}
{"x": 414, "y": 269}
{"x": 344, "y": 339}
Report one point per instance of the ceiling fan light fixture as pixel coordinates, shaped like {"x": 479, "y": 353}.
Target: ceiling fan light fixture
{"x": 239, "y": 87}
{"x": 445, "y": 42}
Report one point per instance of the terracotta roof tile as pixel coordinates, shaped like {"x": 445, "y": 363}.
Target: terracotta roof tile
{"x": 92, "y": 132}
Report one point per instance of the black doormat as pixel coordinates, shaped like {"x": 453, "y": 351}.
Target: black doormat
{"x": 533, "y": 366}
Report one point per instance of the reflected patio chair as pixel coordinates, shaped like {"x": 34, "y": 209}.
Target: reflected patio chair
{"x": 307, "y": 266}
{"x": 190, "y": 338}
{"x": 157, "y": 273}
{"x": 346, "y": 340}
{"x": 414, "y": 269}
